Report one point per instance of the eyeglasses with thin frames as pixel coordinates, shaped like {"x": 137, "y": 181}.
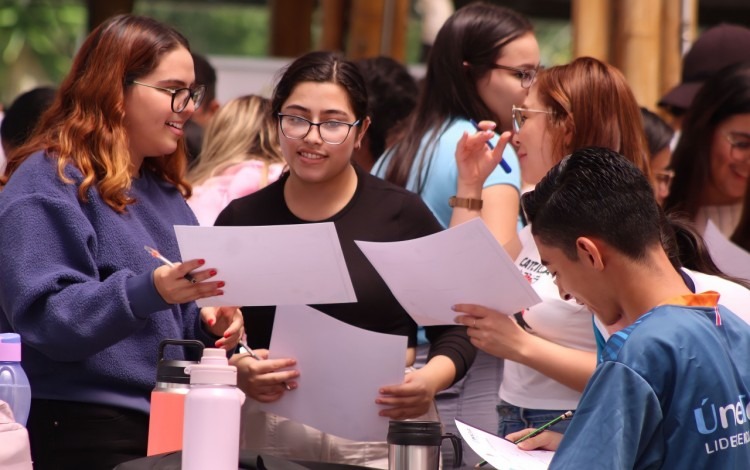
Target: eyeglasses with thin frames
{"x": 527, "y": 76}
{"x": 332, "y": 132}
{"x": 519, "y": 119}
{"x": 180, "y": 96}
{"x": 739, "y": 145}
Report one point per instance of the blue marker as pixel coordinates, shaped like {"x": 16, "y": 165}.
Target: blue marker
{"x": 503, "y": 163}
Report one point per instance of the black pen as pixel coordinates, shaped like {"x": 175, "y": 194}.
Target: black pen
{"x": 503, "y": 163}
{"x": 535, "y": 432}
{"x": 257, "y": 358}
{"x": 157, "y": 255}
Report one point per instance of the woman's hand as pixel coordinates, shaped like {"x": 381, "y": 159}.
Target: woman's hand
{"x": 491, "y": 331}
{"x": 546, "y": 440}
{"x": 226, "y": 322}
{"x": 262, "y": 379}
{"x": 474, "y": 158}
{"x": 173, "y": 286}
{"x": 410, "y": 399}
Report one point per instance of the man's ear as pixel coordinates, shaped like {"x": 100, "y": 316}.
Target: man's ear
{"x": 589, "y": 253}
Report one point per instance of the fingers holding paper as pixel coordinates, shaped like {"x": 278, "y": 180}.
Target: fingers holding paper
{"x": 491, "y": 331}
{"x": 547, "y": 440}
{"x": 265, "y": 380}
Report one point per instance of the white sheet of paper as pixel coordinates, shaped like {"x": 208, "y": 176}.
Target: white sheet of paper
{"x": 730, "y": 258}
{"x": 463, "y": 264}
{"x": 271, "y": 265}
{"x": 341, "y": 367}
{"x": 500, "y": 453}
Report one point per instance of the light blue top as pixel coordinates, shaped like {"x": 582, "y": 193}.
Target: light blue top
{"x": 439, "y": 171}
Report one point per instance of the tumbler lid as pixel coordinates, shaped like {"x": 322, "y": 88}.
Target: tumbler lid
{"x": 414, "y": 433}
{"x": 173, "y": 371}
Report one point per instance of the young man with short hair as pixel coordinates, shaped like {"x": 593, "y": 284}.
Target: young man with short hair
{"x": 673, "y": 388}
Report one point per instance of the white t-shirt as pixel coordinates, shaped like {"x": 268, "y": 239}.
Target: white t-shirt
{"x": 562, "y": 322}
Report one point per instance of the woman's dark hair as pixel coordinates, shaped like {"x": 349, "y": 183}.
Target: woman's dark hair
{"x": 322, "y": 67}
{"x": 686, "y": 248}
{"x": 464, "y": 51}
{"x": 725, "y": 94}
{"x": 658, "y": 133}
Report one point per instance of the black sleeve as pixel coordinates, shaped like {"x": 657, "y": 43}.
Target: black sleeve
{"x": 453, "y": 342}
{"x": 448, "y": 340}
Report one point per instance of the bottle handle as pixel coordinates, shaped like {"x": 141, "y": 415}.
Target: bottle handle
{"x": 458, "y": 450}
{"x": 193, "y": 343}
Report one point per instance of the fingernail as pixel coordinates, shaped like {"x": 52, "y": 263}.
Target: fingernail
{"x": 212, "y": 272}
{"x": 201, "y": 261}
{"x": 211, "y": 322}
{"x": 221, "y": 292}
{"x": 453, "y": 307}
{"x": 227, "y": 335}
{"x": 221, "y": 284}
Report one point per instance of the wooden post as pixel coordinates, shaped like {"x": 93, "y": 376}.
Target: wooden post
{"x": 99, "y": 11}
{"x": 638, "y": 47}
{"x": 671, "y": 47}
{"x": 290, "y": 27}
{"x": 334, "y": 25}
{"x": 395, "y": 26}
{"x": 365, "y": 28}
{"x": 591, "y": 21}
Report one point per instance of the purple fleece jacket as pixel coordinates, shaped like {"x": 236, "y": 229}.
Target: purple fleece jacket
{"x": 77, "y": 285}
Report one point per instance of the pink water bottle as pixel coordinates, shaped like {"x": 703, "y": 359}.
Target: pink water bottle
{"x": 211, "y": 436}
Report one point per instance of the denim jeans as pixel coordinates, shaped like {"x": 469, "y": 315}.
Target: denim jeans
{"x": 513, "y": 419}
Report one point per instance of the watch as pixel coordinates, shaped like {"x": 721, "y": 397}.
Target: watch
{"x": 466, "y": 203}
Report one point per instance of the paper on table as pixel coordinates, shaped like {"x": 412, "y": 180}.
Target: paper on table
{"x": 503, "y": 454}
{"x": 341, "y": 367}
{"x": 271, "y": 265}
{"x": 728, "y": 257}
{"x": 463, "y": 264}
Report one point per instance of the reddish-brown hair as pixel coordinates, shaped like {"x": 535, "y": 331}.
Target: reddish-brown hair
{"x": 593, "y": 101}
{"x": 85, "y": 127}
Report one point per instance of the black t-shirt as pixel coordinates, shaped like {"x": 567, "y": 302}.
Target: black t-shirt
{"x": 380, "y": 212}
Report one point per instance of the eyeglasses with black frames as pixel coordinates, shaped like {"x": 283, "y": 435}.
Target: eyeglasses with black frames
{"x": 527, "y": 76}
{"x": 332, "y": 132}
{"x": 180, "y": 96}
{"x": 740, "y": 145}
{"x": 519, "y": 119}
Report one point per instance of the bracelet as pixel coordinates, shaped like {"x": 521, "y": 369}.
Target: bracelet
{"x": 466, "y": 203}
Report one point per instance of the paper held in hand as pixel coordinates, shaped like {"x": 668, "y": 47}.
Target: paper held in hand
{"x": 463, "y": 264}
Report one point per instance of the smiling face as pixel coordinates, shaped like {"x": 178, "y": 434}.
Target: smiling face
{"x": 534, "y": 141}
{"x": 310, "y": 159}
{"x": 730, "y": 165}
{"x": 500, "y": 89}
{"x": 153, "y": 129}
{"x": 581, "y": 279}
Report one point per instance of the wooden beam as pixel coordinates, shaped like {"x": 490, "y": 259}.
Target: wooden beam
{"x": 291, "y": 27}
{"x": 670, "y": 71}
{"x": 334, "y": 24}
{"x": 365, "y": 31}
{"x": 591, "y": 28}
{"x": 638, "y": 47}
{"x": 99, "y": 11}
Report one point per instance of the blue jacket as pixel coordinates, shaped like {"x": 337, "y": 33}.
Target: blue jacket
{"x": 672, "y": 392}
{"x": 77, "y": 285}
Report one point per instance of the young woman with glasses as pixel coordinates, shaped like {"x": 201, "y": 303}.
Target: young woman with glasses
{"x": 712, "y": 158}
{"x": 549, "y": 349}
{"x": 483, "y": 61}
{"x": 102, "y": 177}
{"x": 320, "y": 104}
